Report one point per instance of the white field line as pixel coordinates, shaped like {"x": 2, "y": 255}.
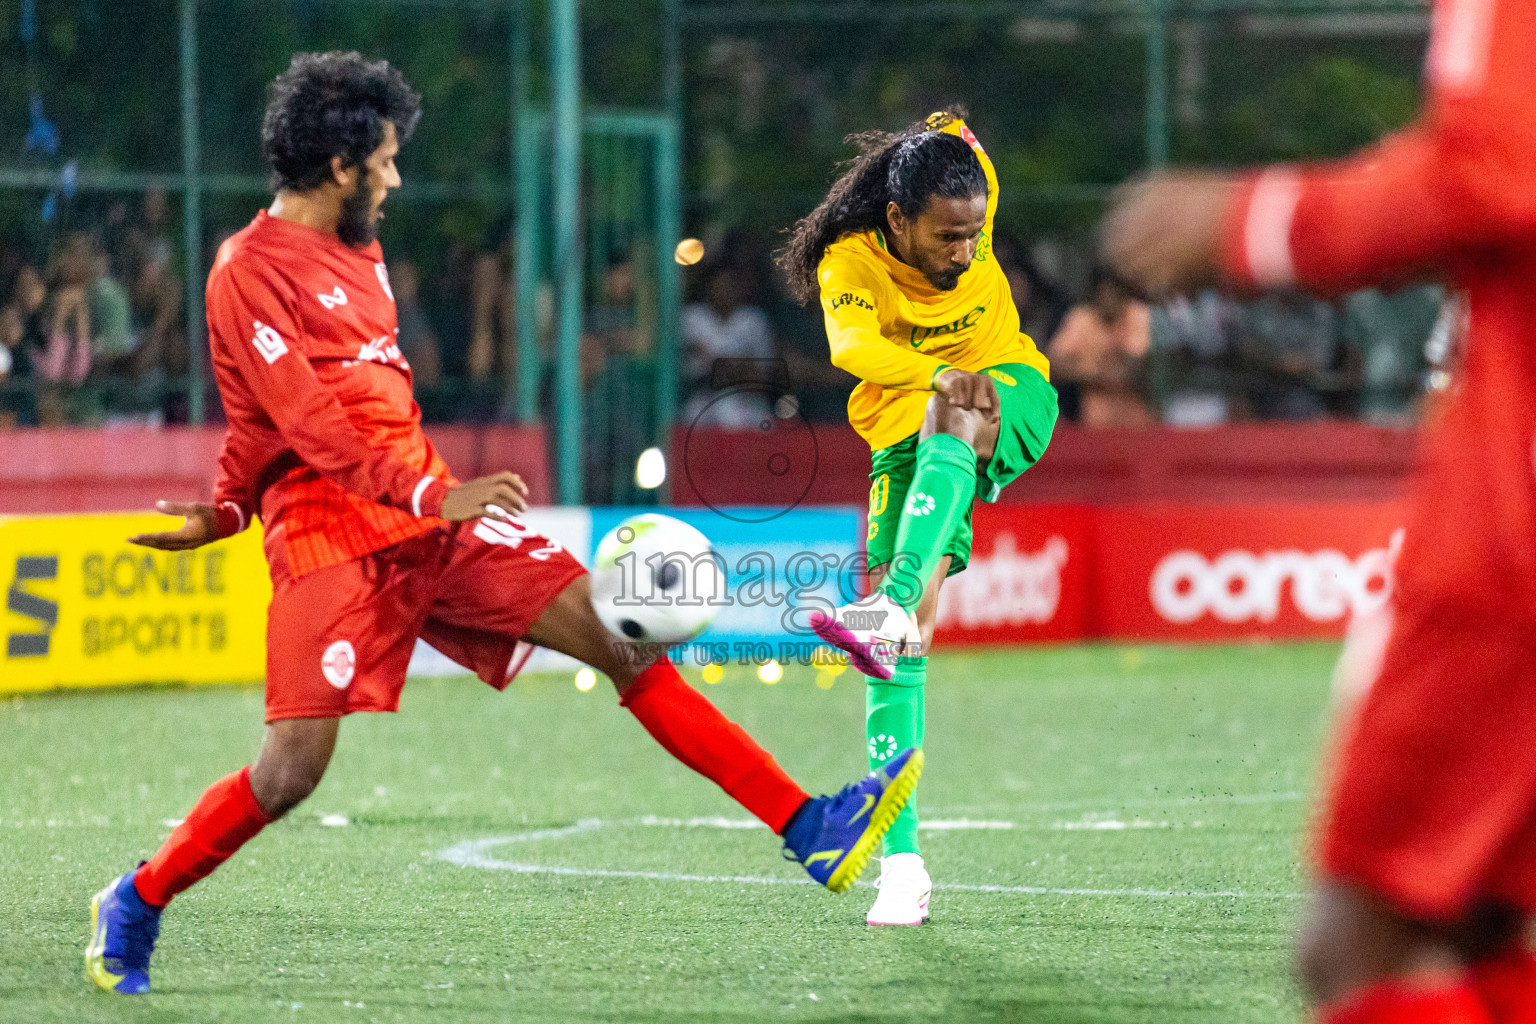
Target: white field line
{"x": 474, "y": 853}
{"x": 1182, "y": 801}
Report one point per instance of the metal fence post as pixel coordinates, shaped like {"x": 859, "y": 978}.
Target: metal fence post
{"x": 1157, "y": 86}
{"x": 668, "y": 279}
{"x": 672, "y": 58}
{"x": 192, "y": 212}
{"x": 524, "y": 402}
{"x": 669, "y": 228}
{"x": 565, "y": 137}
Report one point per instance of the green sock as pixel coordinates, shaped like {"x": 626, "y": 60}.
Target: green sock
{"x": 893, "y": 721}
{"x": 943, "y": 487}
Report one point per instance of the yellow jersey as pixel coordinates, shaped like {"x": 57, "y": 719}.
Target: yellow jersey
{"x": 894, "y": 331}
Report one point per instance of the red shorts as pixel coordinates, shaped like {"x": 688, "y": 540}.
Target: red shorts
{"x": 1432, "y": 803}
{"x": 339, "y": 639}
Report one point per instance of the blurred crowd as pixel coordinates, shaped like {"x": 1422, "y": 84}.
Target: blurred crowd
{"x": 92, "y": 331}
{"x": 1209, "y": 360}
{"x": 92, "y": 327}
{"x": 1117, "y": 362}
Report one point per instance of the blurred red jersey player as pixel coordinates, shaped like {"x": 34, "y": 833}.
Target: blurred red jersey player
{"x": 371, "y": 541}
{"x": 1426, "y": 850}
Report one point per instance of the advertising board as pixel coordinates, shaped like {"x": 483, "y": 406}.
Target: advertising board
{"x": 84, "y": 607}
{"x": 1218, "y": 572}
{"x": 1028, "y": 579}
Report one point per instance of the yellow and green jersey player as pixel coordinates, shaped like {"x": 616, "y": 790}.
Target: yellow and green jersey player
{"x": 954, "y": 401}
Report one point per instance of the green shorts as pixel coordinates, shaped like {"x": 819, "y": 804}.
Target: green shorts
{"x": 1028, "y": 418}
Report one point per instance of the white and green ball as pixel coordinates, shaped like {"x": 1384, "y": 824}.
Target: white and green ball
{"x": 656, "y": 580}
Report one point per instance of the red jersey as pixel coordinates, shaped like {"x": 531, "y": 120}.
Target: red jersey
{"x": 1454, "y": 195}
{"x": 324, "y": 438}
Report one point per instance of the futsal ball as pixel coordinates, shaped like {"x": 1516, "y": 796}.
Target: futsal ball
{"x": 656, "y": 580}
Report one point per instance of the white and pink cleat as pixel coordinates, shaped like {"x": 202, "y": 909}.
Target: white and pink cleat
{"x": 873, "y": 632}
{"x": 904, "y": 890}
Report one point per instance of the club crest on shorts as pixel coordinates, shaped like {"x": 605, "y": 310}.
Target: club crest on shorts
{"x": 339, "y": 663}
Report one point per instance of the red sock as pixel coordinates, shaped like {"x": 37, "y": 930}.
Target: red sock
{"x": 1507, "y": 983}
{"x": 225, "y": 818}
{"x": 695, "y": 732}
{"x": 1398, "y": 1002}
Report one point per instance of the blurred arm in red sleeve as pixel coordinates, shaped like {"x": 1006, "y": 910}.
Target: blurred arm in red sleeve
{"x": 1460, "y": 181}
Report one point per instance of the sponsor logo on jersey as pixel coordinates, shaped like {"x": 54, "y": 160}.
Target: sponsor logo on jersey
{"x": 920, "y": 334}
{"x": 849, "y": 299}
{"x": 1009, "y": 587}
{"x": 336, "y": 298}
{"x": 382, "y": 349}
{"x": 268, "y": 342}
{"x": 383, "y": 273}
{"x": 983, "y": 248}
{"x": 1242, "y": 586}
{"x": 1002, "y": 378}
{"x": 339, "y": 663}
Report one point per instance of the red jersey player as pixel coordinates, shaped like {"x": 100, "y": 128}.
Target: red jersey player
{"x": 372, "y": 542}
{"x": 1426, "y": 850}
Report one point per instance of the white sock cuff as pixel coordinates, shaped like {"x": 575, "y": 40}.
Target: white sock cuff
{"x": 903, "y": 859}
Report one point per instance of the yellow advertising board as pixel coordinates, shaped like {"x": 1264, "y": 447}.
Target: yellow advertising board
{"x": 83, "y": 607}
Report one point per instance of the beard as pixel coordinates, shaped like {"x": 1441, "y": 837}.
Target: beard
{"x": 358, "y": 226}
{"x": 948, "y": 281}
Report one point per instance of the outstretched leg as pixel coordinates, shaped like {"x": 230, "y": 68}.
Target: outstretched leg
{"x": 680, "y": 718}
{"x": 294, "y": 755}
{"x": 833, "y": 837}
{"x": 126, "y": 914}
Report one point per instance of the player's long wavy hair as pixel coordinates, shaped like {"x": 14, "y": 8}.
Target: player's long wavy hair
{"x": 907, "y": 168}
{"x": 332, "y": 104}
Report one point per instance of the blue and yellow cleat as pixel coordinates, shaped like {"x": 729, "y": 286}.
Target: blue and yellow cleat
{"x": 834, "y": 836}
{"x": 123, "y": 933}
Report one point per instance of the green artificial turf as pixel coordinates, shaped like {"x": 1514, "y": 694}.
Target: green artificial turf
{"x": 1132, "y": 773}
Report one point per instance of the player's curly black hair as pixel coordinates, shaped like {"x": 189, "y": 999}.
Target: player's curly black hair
{"x": 908, "y": 168}
{"x": 332, "y": 104}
